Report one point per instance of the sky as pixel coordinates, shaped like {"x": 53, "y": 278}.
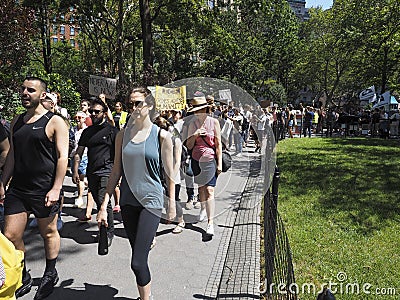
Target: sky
{"x": 324, "y": 3}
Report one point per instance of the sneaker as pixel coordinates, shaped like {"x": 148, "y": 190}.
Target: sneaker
{"x": 116, "y": 209}
{"x": 189, "y": 205}
{"x": 239, "y": 154}
{"x": 46, "y": 286}
{"x": 210, "y": 229}
{"x": 197, "y": 204}
{"x": 179, "y": 227}
{"x": 202, "y": 215}
{"x": 26, "y": 286}
{"x": 33, "y": 223}
{"x": 79, "y": 203}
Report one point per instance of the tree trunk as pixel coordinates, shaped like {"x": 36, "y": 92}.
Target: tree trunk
{"x": 121, "y": 80}
{"x": 384, "y": 69}
{"x": 145, "y": 18}
{"x": 45, "y": 33}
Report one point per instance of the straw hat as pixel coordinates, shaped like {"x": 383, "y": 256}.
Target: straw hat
{"x": 198, "y": 102}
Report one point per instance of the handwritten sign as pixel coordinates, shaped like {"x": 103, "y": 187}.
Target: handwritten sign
{"x": 170, "y": 98}
{"x": 102, "y": 85}
{"x": 225, "y": 96}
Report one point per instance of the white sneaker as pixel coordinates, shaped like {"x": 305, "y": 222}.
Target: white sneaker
{"x": 202, "y": 215}
{"x": 210, "y": 229}
{"x": 197, "y": 204}
{"x": 239, "y": 155}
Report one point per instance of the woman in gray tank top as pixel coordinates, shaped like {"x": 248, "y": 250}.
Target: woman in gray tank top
{"x": 137, "y": 160}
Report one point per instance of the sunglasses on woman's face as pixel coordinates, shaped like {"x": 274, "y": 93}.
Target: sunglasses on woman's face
{"x": 138, "y": 104}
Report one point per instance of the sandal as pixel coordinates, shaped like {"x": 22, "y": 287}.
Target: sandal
{"x": 116, "y": 209}
{"x": 84, "y": 219}
{"x": 179, "y": 227}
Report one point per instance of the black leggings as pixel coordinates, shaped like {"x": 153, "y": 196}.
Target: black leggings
{"x": 140, "y": 226}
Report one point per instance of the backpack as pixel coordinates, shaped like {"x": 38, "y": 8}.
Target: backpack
{"x": 12, "y": 261}
{"x": 245, "y": 123}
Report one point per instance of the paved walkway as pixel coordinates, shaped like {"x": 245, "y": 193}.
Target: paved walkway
{"x": 183, "y": 266}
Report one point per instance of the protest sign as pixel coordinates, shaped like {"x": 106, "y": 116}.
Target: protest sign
{"x": 170, "y": 98}
{"x": 102, "y": 85}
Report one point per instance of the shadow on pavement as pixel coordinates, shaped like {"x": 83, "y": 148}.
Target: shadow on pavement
{"x": 79, "y": 232}
{"x": 198, "y": 296}
{"x": 89, "y": 292}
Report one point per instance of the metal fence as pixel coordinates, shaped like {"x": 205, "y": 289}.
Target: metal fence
{"x": 279, "y": 272}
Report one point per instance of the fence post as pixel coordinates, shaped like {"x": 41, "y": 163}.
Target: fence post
{"x": 270, "y": 226}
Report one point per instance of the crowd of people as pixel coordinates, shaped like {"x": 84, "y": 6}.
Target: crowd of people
{"x": 137, "y": 156}
{"x": 133, "y": 155}
{"x": 332, "y": 121}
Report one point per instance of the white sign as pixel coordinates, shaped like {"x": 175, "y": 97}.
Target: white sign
{"x": 102, "y": 85}
{"x": 368, "y": 94}
{"x": 225, "y": 96}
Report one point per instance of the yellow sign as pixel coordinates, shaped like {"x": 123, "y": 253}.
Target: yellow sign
{"x": 170, "y": 98}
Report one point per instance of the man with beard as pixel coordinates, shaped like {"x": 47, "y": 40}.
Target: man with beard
{"x": 100, "y": 141}
{"x": 37, "y": 162}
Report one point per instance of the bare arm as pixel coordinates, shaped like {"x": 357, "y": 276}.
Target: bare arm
{"x": 110, "y": 118}
{"x": 4, "y": 148}
{"x": 8, "y": 168}
{"x": 57, "y": 130}
{"x": 77, "y": 159}
{"x": 113, "y": 180}
{"x": 167, "y": 160}
{"x": 177, "y": 157}
{"x": 218, "y": 145}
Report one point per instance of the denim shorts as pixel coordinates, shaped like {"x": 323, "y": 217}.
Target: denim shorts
{"x": 206, "y": 172}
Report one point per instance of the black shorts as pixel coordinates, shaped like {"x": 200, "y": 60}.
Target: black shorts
{"x": 17, "y": 202}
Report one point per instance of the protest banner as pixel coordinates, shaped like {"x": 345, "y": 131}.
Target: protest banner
{"x": 170, "y": 98}
{"x": 225, "y": 96}
{"x": 102, "y": 85}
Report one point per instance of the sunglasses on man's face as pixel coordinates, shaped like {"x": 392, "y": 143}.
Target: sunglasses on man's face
{"x": 136, "y": 104}
{"x": 95, "y": 111}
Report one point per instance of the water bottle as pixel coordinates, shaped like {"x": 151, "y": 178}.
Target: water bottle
{"x": 103, "y": 241}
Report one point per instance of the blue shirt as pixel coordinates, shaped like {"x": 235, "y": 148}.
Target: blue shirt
{"x": 141, "y": 183}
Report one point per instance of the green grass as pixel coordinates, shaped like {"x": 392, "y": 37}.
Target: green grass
{"x": 340, "y": 201}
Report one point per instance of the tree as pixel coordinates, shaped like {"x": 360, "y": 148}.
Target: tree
{"x": 15, "y": 35}
{"x": 105, "y": 28}
{"x": 15, "y": 45}
{"x": 43, "y": 10}
{"x": 327, "y": 53}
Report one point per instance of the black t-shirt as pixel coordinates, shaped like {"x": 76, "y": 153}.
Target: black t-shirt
{"x": 100, "y": 141}
{"x": 3, "y": 133}
{"x": 117, "y": 117}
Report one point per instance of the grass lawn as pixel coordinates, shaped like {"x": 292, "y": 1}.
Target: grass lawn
{"x": 340, "y": 202}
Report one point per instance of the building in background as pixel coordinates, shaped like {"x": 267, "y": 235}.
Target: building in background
{"x": 65, "y": 28}
{"x": 299, "y": 8}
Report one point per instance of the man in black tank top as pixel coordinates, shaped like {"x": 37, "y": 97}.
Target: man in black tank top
{"x": 37, "y": 163}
